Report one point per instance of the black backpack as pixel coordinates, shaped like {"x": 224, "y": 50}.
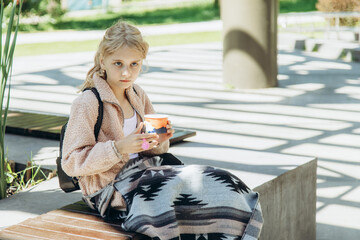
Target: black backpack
{"x": 67, "y": 183}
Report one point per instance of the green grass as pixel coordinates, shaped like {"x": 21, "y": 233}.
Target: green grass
{"x": 55, "y": 47}
{"x": 91, "y": 45}
{"x": 196, "y": 13}
{"x": 297, "y": 5}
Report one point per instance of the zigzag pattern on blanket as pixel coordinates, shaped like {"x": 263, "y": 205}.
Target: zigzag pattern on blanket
{"x": 167, "y": 202}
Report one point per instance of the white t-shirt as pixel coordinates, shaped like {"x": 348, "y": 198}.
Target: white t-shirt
{"x": 129, "y": 127}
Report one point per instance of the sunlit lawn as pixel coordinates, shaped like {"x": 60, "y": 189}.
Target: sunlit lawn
{"x": 91, "y": 45}
{"x": 195, "y": 13}
{"x": 297, "y": 5}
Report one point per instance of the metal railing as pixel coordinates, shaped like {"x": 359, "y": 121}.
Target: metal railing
{"x": 319, "y": 22}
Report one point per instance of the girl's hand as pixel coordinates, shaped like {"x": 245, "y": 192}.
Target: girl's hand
{"x": 165, "y": 136}
{"x": 133, "y": 142}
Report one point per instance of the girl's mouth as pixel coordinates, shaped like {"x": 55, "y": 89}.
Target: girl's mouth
{"x": 125, "y": 80}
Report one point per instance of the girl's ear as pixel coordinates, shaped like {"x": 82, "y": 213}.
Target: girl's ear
{"x": 101, "y": 59}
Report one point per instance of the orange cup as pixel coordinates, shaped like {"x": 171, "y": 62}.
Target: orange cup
{"x": 156, "y": 123}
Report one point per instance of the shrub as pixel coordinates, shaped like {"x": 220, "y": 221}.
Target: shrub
{"x": 340, "y": 6}
{"x": 43, "y": 7}
{"x": 53, "y": 7}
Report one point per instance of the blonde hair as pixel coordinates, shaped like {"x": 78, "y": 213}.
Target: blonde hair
{"x": 118, "y": 35}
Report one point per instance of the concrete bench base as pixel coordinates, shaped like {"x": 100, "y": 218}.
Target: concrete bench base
{"x": 288, "y": 203}
{"x": 287, "y": 187}
{"x": 349, "y": 52}
{"x": 352, "y": 55}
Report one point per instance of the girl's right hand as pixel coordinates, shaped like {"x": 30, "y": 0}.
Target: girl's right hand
{"x": 134, "y": 141}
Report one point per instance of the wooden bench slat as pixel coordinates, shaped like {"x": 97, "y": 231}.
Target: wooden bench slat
{"x": 76, "y": 230}
{"x": 75, "y": 221}
{"x": 44, "y": 122}
{"x": 35, "y": 233}
{"x": 31, "y": 119}
{"x": 81, "y": 223}
{"x": 80, "y": 215}
{"x": 85, "y": 216}
{"x": 26, "y": 123}
{"x": 49, "y": 126}
{"x": 180, "y": 135}
{"x": 11, "y": 235}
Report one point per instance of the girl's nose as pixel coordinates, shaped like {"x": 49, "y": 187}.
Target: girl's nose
{"x": 125, "y": 71}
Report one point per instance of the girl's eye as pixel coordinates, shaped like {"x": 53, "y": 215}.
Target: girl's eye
{"x": 117, "y": 63}
{"x": 134, "y": 64}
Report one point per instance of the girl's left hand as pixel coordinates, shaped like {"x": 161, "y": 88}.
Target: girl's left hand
{"x": 165, "y": 136}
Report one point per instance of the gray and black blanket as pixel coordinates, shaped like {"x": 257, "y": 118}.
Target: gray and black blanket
{"x": 187, "y": 202}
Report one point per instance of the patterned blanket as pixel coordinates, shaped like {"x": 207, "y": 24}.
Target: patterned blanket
{"x": 186, "y": 202}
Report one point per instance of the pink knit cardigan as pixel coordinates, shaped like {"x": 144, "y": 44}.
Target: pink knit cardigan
{"x": 96, "y": 163}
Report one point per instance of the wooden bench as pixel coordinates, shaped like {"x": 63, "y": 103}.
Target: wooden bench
{"x": 49, "y": 126}
{"x": 287, "y": 196}
{"x": 75, "y": 221}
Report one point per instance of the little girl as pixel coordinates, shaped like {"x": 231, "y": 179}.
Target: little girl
{"x": 122, "y": 177}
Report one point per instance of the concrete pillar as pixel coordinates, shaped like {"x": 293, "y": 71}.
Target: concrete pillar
{"x": 250, "y": 43}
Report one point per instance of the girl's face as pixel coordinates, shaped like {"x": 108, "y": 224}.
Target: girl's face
{"x": 122, "y": 67}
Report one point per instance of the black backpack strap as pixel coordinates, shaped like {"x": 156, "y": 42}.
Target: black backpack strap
{"x": 67, "y": 183}
{"x": 101, "y": 112}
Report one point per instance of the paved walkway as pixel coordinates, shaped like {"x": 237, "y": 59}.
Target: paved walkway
{"x": 315, "y": 111}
